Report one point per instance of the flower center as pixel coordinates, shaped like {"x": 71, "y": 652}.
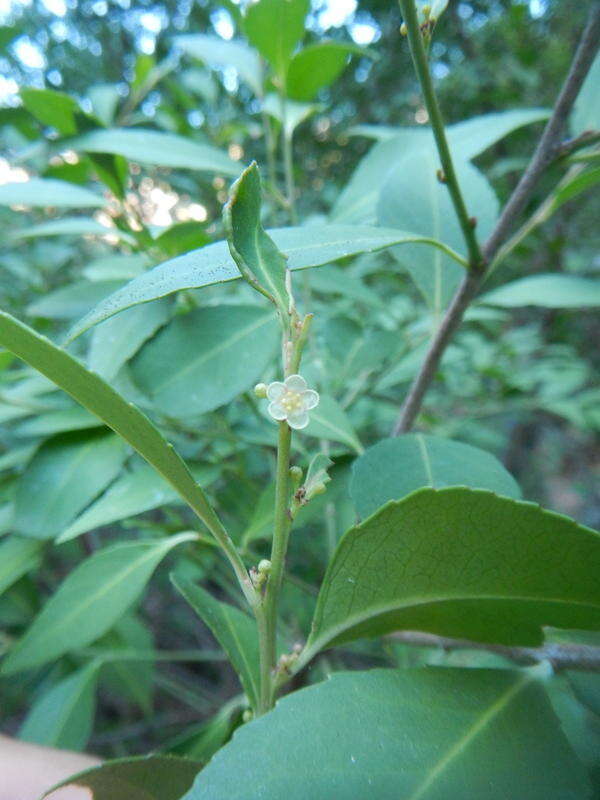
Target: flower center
{"x": 291, "y": 401}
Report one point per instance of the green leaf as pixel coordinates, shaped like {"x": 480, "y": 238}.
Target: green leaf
{"x": 141, "y": 778}
{"x": 435, "y": 734}
{"x": 69, "y": 226}
{"x": 393, "y": 468}
{"x": 295, "y": 113}
{"x": 18, "y": 556}
{"x": 51, "y": 108}
{"x": 586, "y": 112}
{"x": 252, "y": 249}
{"x": 413, "y": 198}
{"x": 73, "y": 300}
{"x": 181, "y": 238}
{"x": 116, "y": 340}
{"x": 133, "y": 493}
{"x": 51, "y": 422}
{"x": 63, "y": 716}
{"x": 463, "y": 563}
{"x": 42, "y": 192}
{"x": 217, "y": 52}
{"x": 318, "y": 66}
{"x": 132, "y": 679}
{"x": 550, "y": 290}
{"x": 275, "y": 27}
{"x": 303, "y": 247}
{"x": 232, "y": 347}
{"x": 98, "y": 397}
{"x": 116, "y": 267}
{"x": 156, "y": 148}
{"x": 63, "y": 477}
{"x": 90, "y": 601}
{"x": 329, "y": 421}
{"x": 234, "y": 630}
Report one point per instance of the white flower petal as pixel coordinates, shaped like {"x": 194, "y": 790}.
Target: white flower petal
{"x": 310, "y": 399}
{"x": 298, "y": 420}
{"x": 277, "y": 411}
{"x": 276, "y": 390}
{"x": 295, "y": 383}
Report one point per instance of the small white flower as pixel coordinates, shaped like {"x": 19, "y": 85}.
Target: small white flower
{"x": 292, "y": 401}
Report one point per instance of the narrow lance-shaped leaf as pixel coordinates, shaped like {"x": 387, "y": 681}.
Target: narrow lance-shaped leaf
{"x": 18, "y": 555}
{"x": 435, "y": 734}
{"x": 48, "y": 192}
{"x": 107, "y": 404}
{"x": 551, "y": 290}
{"x": 463, "y": 563}
{"x": 90, "y": 601}
{"x": 252, "y": 249}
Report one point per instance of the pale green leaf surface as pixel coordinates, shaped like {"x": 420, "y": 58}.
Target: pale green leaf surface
{"x": 90, "y": 601}
{"x": 42, "y": 192}
{"x": 63, "y": 716}
{"x": 204, "y": 359}
{"x": 72, "y": 301}
{"x": 463, "y": 563}
{"x": 50, "y": 422}
{"x": 304, "y": 247}
{"x": 548, "y": 290}
{"x": 137, "y": 778}
{"x": 586, "y": 112}
{"x": 50, "y": 107}
{"x": 234, "y": 630}
{"x": 393, "y": 468}
{"x": 217, "y": 52}
{"x": 63, "y": 477}
{"x": 68, "y": 226}
{"x": 157, "y": 149}
{"x": 329, "y": 421}
{"x": 435, "y": 734}
{"x": 98, "y": 397}
{"x": 18, "y": 556}
{"x": 295, "y": 113}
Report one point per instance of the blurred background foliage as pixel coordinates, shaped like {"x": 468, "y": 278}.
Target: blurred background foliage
{"x": 519, "y": 383}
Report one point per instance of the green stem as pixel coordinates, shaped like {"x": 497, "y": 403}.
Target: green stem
{"x": 288, "y": 159}
{"x": 419, "y": 57}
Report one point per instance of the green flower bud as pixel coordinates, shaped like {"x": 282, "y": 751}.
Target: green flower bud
{"x": 264, "y": 566}
{"x": 260, "y": 390}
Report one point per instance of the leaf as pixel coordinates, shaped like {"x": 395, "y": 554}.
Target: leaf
{"x": 393, "y": 468}
{"x": 413, "y": 198}
{"x": 234, "y": 630}
{"x": 463, "y": 563}
{"x": 90, "y": 601}
{"x": 131, "y": 494}
{"x": 42, "y": 192}
{"x": 73, "y": 300}
{"x": 467, "y": 139}
{"x": 218, "y": 52}
{"x": 329, "y": 421}
{"x": 51, "y": 108}
{"x": 318, "y": 66}
{"x": 51, "y": 422}
{"x": 63, "y": 477}
{"x": 295, "y": 113}
{"x": 258, "y": 259}
{"x": 98, "y": 397}
{"x": 116, "y": 267}
{"x": 138, "y": 778}
{"x": 586, "y": 111}
{"x": 69, "y": 226}
{"x": 133, "y": 679}
{"x": 156, "y": 148}
{"x": 18, "y": 556}
{"x": 232, "y": 347}
{"x": 550, "y": 290}
{"x": 116, "y": 340}
{"x": 303, "y": 247}
{"x": 63, "y": 716}
{"x": 435, "y": 734}
{"x": 317, "y": 472}
{"x": 275, "y": 27}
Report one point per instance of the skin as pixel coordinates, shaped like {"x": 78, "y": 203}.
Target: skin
{"x": 28, "y": 770}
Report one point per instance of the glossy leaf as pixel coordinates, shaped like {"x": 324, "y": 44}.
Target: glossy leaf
{"x": 329, "y": 421}
{"x": 430, "y": 734}
{"x": 549, "y": 290}
{"x": 463, "y": 563}
{"x": 138, "y": 778}
{"x": 234, "y": 630}
{"x": 232, "y": 347}
{"x": 51, "y": 108}
{"x": 303, "y": 247}
{"x": 90, "y": 601}
{"x": 18, "y": 555}
{"x": 275, "y": 27}
{"x": 63, "y": 716}
{"x": 42, "y": 192}
{"x": 252, "y": 249}
{"x": 318, "y": 66}
{"x": 393, "y": 468}
{"x": 98, "y": 397}
{"x": 156, "y": 148}
{"x": 221, "y": 53}
{"x": 63, "y": 477}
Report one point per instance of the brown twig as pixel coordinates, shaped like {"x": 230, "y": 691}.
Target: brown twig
{"x": 545, "y": 153}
